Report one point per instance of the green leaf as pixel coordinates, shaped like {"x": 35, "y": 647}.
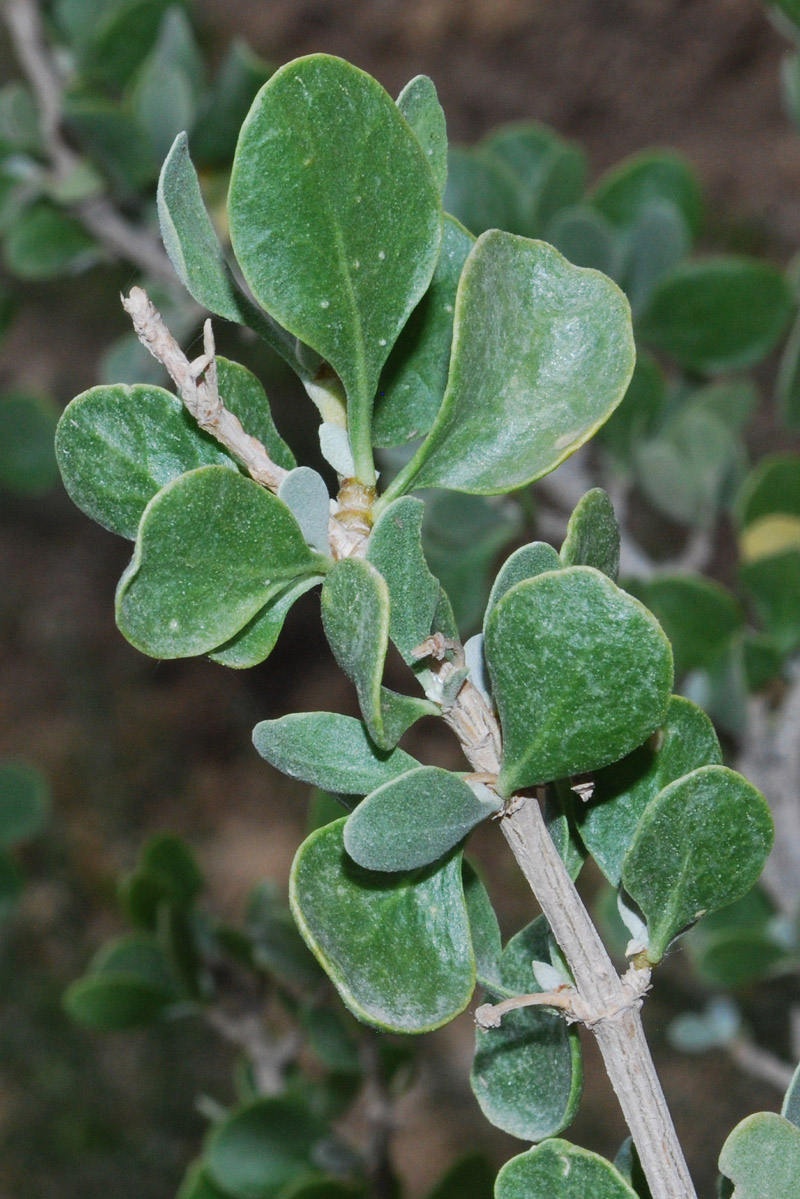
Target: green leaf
{"x": 244, "y": 395}
{"x": 480, "y": 191}
{"x": 163, "y": 98}
{"x": 395, "y": 550}
{"x": 653, "y": 175}
{"x": 277, "y": 947}
{"x": 737, "y": 959}
{"x": 772, "y": 486}
{"x": 224, "y": 108}
{"x": 684, "y": 470}
{"x": 581, "y": 675}
{"x": 194, "y": 250}
{"x": 790, "y": 1108}
{"x": 639, "y": 410}
{"x": 623, "y": 790}
{"x": 548, "y": 172}
{"x": 335, "y": 220}
{"x": 305, "y": 494}
{"x": 119, "y": 40}
{"x": 196, "y": 1184}
{"x": 330, "y": 751}
{"x": 397, "y": 947}
{"x": 414, "y": 378}
{"x": 27, "y": 427}
{"x": 484, "y": 929}
{"x": 559, "y": 1170}
{"x": 773, "y": 584}
{"x": 656, "y": 243}
{"x": 136, "y": 956}
{"x": 419, "y": 104}
{"x": 733, "y": 401}
{"x": 525, "y": 563}
{"x": 593, "y": 534}
{"x": 523, "y": 395}
{"x": 171, "y": 859}
{"x": 110, "y": 134}
{"x": 558, "y": 817}
{"x": 470, "y": 1177}
{"x": 12, "y": 884}
{"x": 212, "y": 549}
{"x": 262, "y": 1147}
{"x": 113, "y": 1002}
{"x": 118, "y": 446}
{"x": 761, "y": 1157}
{"x": 787, "y": 386}
{"x": 24, "y": 802}
{"x": 585, "y": 238}
{"x": 699, "y": 616}
{"x": 257, "y": 639}
{"x": 20, "y": 127}
{"x": 699, "y": 845}
{"x": 718, "y": 314}
{"x": 415, "y": 819}
{"x": 355, "y": 615}
{"x": 45, "y": 242}
{"x": 527, "y": 1073}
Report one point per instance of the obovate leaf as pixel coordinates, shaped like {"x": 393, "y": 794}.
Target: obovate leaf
{"x": 419, "y": 104}
{"x": 24, "y": 802}
{"x": 593, "y": 535}
{"x": 790, "y": 1108}
{"x": 355, "y": 615}
{"x": 211, "y": 550}
{"x": 525, "y": 563}
{"x": 335, "y": 220}
{"x": 244, "y": 395}
{"x": 397, "y": 947}
{"x": 699, "y": 845}
{"x": 585, "y": 238}
{"x": 542, "y": 354}
{"x": 471, "y": 1177}
{"x": 256, "y": 641}
{"x": 761, "y": 1157}
{"x": 395, "y": 550}
{"x": 27, "y": 425}
{"x": 261, "y": 1147}
{"x": 330, "y": 751}
{"x": 548, "y": 173}
{"x": 45, "y": 242}
{"x": 118, "y": 446}
{"x": 622, "y": 791}
{"x": 415, "y": 819}
{"x": 581, "y": 675}
{"x": 559, "y": 1170}
{"x": 698, "y": 615}
{"x": 653, "y": 175}
{"x": 480, "y": 191}
{"x": 773, "y": 584}
{"x": 484, "y": 929}
{"x": 773, "y": 486}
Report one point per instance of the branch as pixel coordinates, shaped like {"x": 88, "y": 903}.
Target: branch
{"x": 269, "y": 1058}
{"x": 118, "y": 236}
{"x": 760, "y": 1063}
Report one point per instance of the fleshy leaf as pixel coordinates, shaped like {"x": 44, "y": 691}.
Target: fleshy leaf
{"x": 257, "y": 1150}
{"x": 305, "y": 494}
{"x": 112, "y": 1002}
{"x": 790, "y": 1108}
{"x": 581, "y": 675}
{"x": 525, "y": 563}
{"x": 330, "y": 751}
{"x": 698, "y": 615}
{"x": 415, "y": 819}
{"x": 419, "y": 104}
{"x": 397, "y": 947}
{"x": 685, "y": 470}
{"x": 244, "y": 395}
{"x": 560, "y": 1170}
{"x": 395, "y": 550}
{"x": 585, "y": 238}
{"x": 638, "y": 181}
{"x": 335, "y": 220}
{"x": 773, "y": 486}
{"x": 484, "y": 929}
{"x": 761, "y": 1157}
{"x": 622, "y": 791}
{"x": 212, "y": 548}
{"x": 27, "y": 424}
{"x": 773, "y": 584}
{"x": 355, "y": 614}
{"x": 471, "y": 1177}
{"x": 256, "y": 640}
{"x": 548, "y": 173}
{"x": 523, "y": 392}
{"x": 593, "y": 534}
{"x": 699, "y": 845}
{"x": 481, "y": 191}
{"x": 24, "y": 802}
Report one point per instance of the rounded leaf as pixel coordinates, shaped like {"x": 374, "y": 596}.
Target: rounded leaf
{"x": 260, "y": 1148}
{"x": 761, "y": 1157}
{"x": 559, "y": 1170}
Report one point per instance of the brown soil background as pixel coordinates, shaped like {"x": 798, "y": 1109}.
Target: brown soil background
{"x": 133, "y": 746}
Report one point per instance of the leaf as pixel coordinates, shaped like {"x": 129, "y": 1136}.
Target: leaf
{"x": 557, "y": 812}
{"x": 211, "y": 549}
{"x": 414, "y": 378}
{"x": 395, "y": 550}
{"x": 698, "y": 615}
{"x": 790, "y": 1108}
{"x": 483, "y": 926}
{"x": 717, "y": 314}
{"x": 527, "y": 1073}
{"x": 196, "y": 1184}
{"x": 45, "y": 242}
{"x": 684, "y": 470}
{"x": 470, "y": 1177}
{"x": 559, "y": 1170}
{"x": 119, "y": 39}
{"x": 419, "y": 104}
{"x": 585, "y": 238}
{"x": 111, "y": 135}
{"x": 480, "y": 191}
{"x": 656, "y": 243}
{"x": 24, "y": 802}
{"x": 761, "y": 1157}
{"x": 699, "y": 845}
{"x": 117, "y": 446}
{"x": 414, "y": 820}
{"x": 277, "y": 947}
{"x": 224, "y": 108}
{"x": 652, "y": 175}
{"x": 305, "y": 494}
{"x": 639, "y": 410}
{"x": 773, "y": 486}
{"x": 739, "y": 959}
{"x": 355, "y": 616}
{"x": 136, "y": 956}
{"x": 257, "y": 639}
{"x": 769, "y": 535}
{"x": 244, "y": 395}
{"x": 622, "y": 791}
{"x": 523, "y": 395}
{"x": 171, "y": 859}
{"x": 397, "y": 947}
{"x": 261, "y": 1147}
{"x": 163, "y": 99}
{"x": 581, "y": 675}
{"x": 787, "y": 386}
{"x": 194, "y": 250}
{"x": 27, "y": 427}
{"x": 593, "y": 535}
{"x": 525, "y": 563}
{"x": 330, "y": 751}
{"x": 773, "y": 585}
{"x": 335, "y": 220}
{"x": 114, "y": 1002}
{"x": 549, "y": 173}
{"x": 12, "y": 884}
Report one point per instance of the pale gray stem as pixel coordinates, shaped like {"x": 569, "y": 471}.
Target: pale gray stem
{"x": 269, "y": 1057}
{"x": 760, "y": 1063}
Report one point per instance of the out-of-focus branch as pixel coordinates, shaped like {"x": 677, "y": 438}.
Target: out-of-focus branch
{"x": 119, "y": 237}
{"x": 268, "y": 1056}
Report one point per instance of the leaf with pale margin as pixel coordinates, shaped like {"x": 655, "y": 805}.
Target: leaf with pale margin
{"x": 790, "y": 1108}
{"x": 395, "y": 550}
{"x": 330, "y": 751}
{"x": 699, "y": 845}
{"x": 335, "y": 220}
{"x": 542, "y": 354}
{"x": 419, "y": 104}
{"x": 557, "y": 812}
{"x": 525, "y": 563}
{"x": 414, "y": 820}
{"x": 118, "y": 446}
{"x": 622, "y": 791}
{"x": 256, "y": 641}
{"x": 244, "y": 395}
{"x": 355, "y": 616}
{"x": 761, "y": 1157}
{"x": 259, "y": 1148}
{"x": 194, "y": 250}
{"x": 305, "y": 494}
{"x": 593, "y": 534}
{"x": 560, "y": 1170}
{"x": 397, "y": 947}
{"x": 212, "y": 549}
{"x": 581, "y": 674}
{"x": 585, "y": 238}
{"x": 527, "y": 1073}
{"x": 483, "y": 926}
{"x": 415, "y": 376}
